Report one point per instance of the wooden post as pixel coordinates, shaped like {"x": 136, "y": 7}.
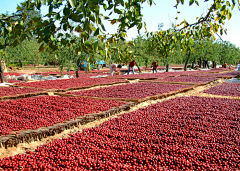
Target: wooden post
{"x": 1, "y": 70}
{"x": 185, "y": 66}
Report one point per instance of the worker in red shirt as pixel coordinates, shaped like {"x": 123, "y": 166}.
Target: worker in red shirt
{"x": 155, "y": 65}
{"x": 131, "y": 65}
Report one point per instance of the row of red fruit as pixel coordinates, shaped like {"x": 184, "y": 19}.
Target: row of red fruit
{"x": 131, "y": 91}
{"x": 70, "y": 83}
{"x": 10, "y": 91}
{"x": 43, "y": 111}
{"x": 190, "y": 79}
{"x": 225, "y": 89}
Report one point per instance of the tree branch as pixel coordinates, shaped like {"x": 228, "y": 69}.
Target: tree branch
{"x": 199, "y": 21}
{"x": 9, "y": 17}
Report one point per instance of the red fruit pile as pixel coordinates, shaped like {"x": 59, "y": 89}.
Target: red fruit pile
{"x": 222, "y": 69}
{"x": 100, "y": 71}
{"x": 36, "y": 112}
{"x": 13, "y": 81}
{"x": 188, "y": 133}
{"x": 59, "y": 73}
{"x": 9, "y": 91}
{"x": 93, "y": 74}
{"x": 131, "y": 91}
{"x": 225, "y": 89}
{"x": 70, "y": 83}
{"x": 226, "y": 74}
{"x": 191, "y": 79}
{"x": 12, "y": 73}
{"x": 149, "y": 75}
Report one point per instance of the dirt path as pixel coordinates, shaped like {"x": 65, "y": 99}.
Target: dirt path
{"x": 23, "y": 147}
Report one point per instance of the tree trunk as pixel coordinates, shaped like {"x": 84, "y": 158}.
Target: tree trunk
{"x": 77, "y": 73}
{"x": 207, "y": 64}
{"x": 138, "y": 68}
{"x": 1, "y": 70}
{"x": 167, "y": 67}
{"x": 200, "y": 63}
{"x": 204, "y": 64}
{"x": 214, "y": 64}
{"x": 20, "y": 63}
{"x": 185, "y": 66}
{"x": 193, "y": 62}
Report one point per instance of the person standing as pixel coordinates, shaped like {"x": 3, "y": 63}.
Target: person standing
{"x": 113, "y": 69}
{"x": 225, "y": 65}
{"x": 131, "y": 65}
{"x": 155, "y": 65}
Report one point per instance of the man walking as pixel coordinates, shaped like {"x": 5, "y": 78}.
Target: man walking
{"x": 131, "y": 65}
{"x": 155, "y": 65}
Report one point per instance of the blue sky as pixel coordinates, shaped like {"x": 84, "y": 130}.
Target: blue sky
{"x": 162, "y": 12}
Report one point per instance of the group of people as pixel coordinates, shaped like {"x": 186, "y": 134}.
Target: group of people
{"x": 114, "y": 67}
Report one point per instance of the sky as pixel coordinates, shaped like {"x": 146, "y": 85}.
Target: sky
{"x": 162, "y": 12}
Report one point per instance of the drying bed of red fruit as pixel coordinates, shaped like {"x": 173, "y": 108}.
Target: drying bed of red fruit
{"x": 225, "y": 89}
{"x": 131, "y": 91}
{"x": 223, "y": 69}
{"x": 10, "y": 91}
{"x": 226, "y": 74}
{"x": 70, "y": 83}
{"x": 94, "y": 74}
{"x": 13, "y": 81}
{"x": 12, "y": 73}
{"x": 99, "y": 71}
{"x": 149, "y": 75}
{"x": 187, "y": 133}
{"x": 59, "y": 73}
{"x": 43, "y": 111}
{"x": 191, "y": 79}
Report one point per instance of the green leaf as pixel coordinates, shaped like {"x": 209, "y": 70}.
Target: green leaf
{"x": 191, "y": 41}
{"x": 96, "y": 32}
{"x": 196, "y": 2}
{"x": 59, "y": 35}
{"x": 41, "y": 48}
{"x": 65, "y": 26}
{"x": 105, "y": 7}
{"x": 57, "y": 16}
{"x": 43, "y": 1}
{"x": 88, "y": 44}
{"x": 229, "y": 15}
{"x": 191, "y": 2}
{"x": 75, "y": 17}
{"x": 23, "y": 37}
{"x": 15, "y": 43}
{"x": 66, "y": 11}
{"x": 182, "y": 1}
{"x": 223, "y": 8}
{"x": 1, "y": 46}
{"x": 96, "y": 46}
{"x": 221, "y": 31}
{"x": 103, "y": 27}
{"x": 67, "y": 35}
{"x": 91, "y": 17}
{"x": 117, "y": 11}
{"x": 72, "y": 3}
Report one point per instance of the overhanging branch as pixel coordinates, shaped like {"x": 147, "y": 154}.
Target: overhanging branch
{"x": 9, "y": 17}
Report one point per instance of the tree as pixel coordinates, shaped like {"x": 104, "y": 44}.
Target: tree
{"x": 88, "y": 18}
